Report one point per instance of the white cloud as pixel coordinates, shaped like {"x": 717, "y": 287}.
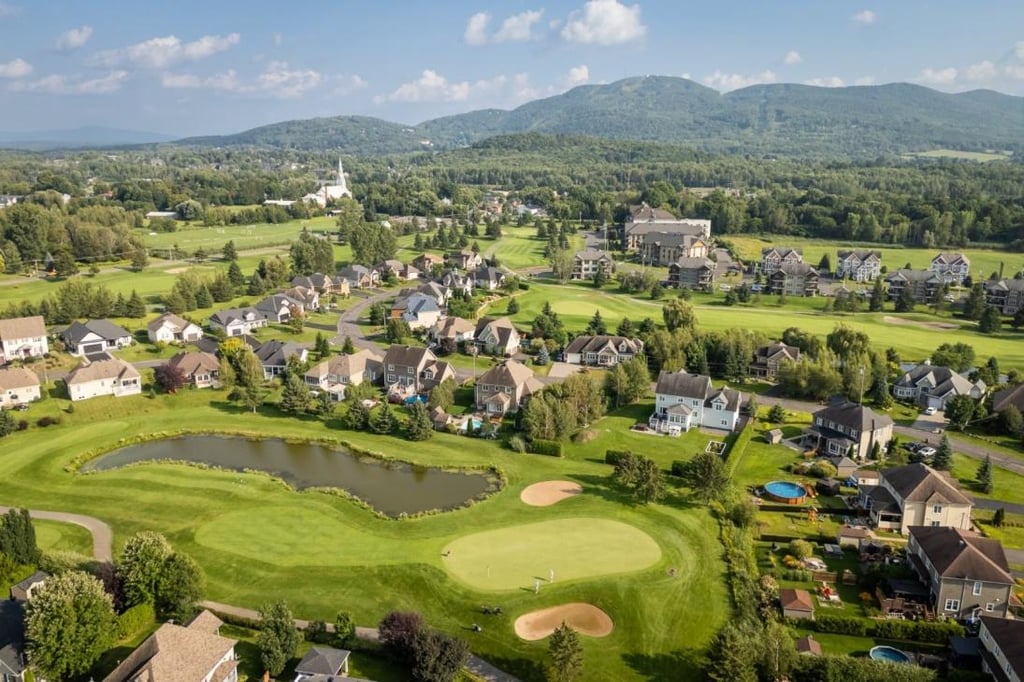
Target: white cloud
{"x": 16, "y": 68}
{"x": 826, "y": 82}
{"x": 476, "y": 29}
{"x": 518, "y": 27}
{"x": 734, "y": 81}
{"x": 429, "y": 87}
{"x": 159, "y": 53}
{"x": 1013, "y": 71}
{"x": 277, "y": 80}
{"x": 282, "y": 81}
{"x": 792, "y": 57}
{"x": 74, "y": 38}
{"x": 865, "y": 80}
{"x": 604, "y": 22}
{"x": 225, "y": 81}
{"x": 865, "y": 17}
{"x": 347, "y": 84}
{"x": 578, "y": 75}
{"x": 58, "y": 84}
{"x": 938, "y": 76}
{"x": 982, "y": 71}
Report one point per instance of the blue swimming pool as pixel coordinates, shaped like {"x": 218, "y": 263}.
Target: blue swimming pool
{"x": 415, "y": 399}
{"x": 888, "y": 653}
{"x": 785, "y": 491}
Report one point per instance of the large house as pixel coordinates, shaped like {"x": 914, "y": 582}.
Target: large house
{"x": 237, "y": 321}
{"x": 932, "y": 386}
{"x": 419, "y": 311}
{"x": 274, "y": 355}
{"x": 915, "y": 495}
{"x": 22, "y": 338}
{"x": 602, "y": 350}
{"x": 325, "y": 284}
{"x": 18, "y": 386}
{"x": 684, "y": 401}
{"x": 488, "y": 278}
{"x": 1006, "y": 295}
{"x": 774, "y": 257}
{"x": 199, "y": 369}
{"x": 793, "y": 279}
{"x": 664, "y": 248}
{"x": 176, "y": 653}
{"x": 860, "y": 266}
{"x": 110, "y": 376}
{"x": 414, "y": 370}
{"x": 768, "y": 359}
{"x": 426, "y": 262}
{"x": 340, "y": 371}
{"x": 279, "y": 308}
{"x": 847, "y": 428}
{"x": 398, "y": 269}
{"x": 923, "y": 284}
{"x": 1002, "y": 656}
{"x": 307, "y": 297}
{"x": 457, "y": 281}
{"x": 497, "y": 336}
{"x": 466, "y": 259}
{"x": 693, "y": 273}
{"x": 94, "y": 336}
{"x": 504, "y": 387}
{"x": 170, "y": 328}
{"x": 588, "y": 262}
{"x": 1012, "y": 396}
{"x": 951, "y": 267}
{"x": 449, "y": 332}
{"x": 967, "y": 575}
{"x": 643, "y": 220}
{"x": 439, "y": 292}
{"x": 360, "y": 276}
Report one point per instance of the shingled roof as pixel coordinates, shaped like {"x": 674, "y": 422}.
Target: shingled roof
{"x": 22, "y": 328}
{"x": 957, "y": 553}
{"x": 920, "y": 483}
{"x": 322, "y": 660}
{"x": 852, "y": 415}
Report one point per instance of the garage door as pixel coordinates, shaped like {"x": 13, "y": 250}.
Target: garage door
{"x": 93, "y": 348}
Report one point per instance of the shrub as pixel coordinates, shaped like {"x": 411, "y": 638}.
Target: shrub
{"x": 551, "y": 448}
{"x": 47, "y": 421}
{"x": 823, "y": 469}
{"x": 135, "y": 620}
{"x": 516, "y": 443}
{"x": 678, "y": 468}
{"x": 613, "y": 456}
{"x": 524, "y": 286}
{"x": 801, "y": 549}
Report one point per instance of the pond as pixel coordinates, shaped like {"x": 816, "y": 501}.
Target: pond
{"x": 389, "y": 487}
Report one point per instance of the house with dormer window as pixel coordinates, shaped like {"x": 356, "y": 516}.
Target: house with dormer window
{"x": 412, "y": 370}
{"x": 237, "y": 321}
{"x": 847, "y": 428}
{"x": 497, "y": 336}
{"x": 774, "y": 257}
{"x": 915, "y": 495}
{"x": 685, "y": 401}
{"x": 602, "y": 350}
{"x": 859, "y": 266}
{"x": 505, "y": 387}
{"x": 951, "y": 267}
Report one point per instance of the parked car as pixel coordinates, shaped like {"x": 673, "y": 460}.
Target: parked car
{"x": 930, "y": 411}
{"x": 926, "y": 451}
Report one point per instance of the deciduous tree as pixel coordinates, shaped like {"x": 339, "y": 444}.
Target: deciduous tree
{"x": 278, "y": 637}
{"x": 140, "y": 565}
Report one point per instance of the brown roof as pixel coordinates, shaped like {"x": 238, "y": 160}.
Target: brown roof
{"x": 17, "y": 377}
{"x": 808, "y": 645}
{"x": 22, "y": 327}
{"x": 796, "y": 600}
{"x": 345, "y": 365}
{"x": 449, "y": 327}
{"x": 408, "y": 356}
{"x": 1001, "y": 399}
{"x": 1008, "y": 635}
{"x": 171, "y": 318}
{"x": 853, "y": 532}
{"x": 957, "y": 553}
{"x": 511, "y": 373}
{"x": 190, "y": 363}
{"x": 178, "y": 654}
{"x": 112, "y": 368}
{"x": 920, "y": 483}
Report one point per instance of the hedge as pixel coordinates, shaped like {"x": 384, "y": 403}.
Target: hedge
{"x": 613, "y": 456}
{"x": 849, "y": 669}
{"x": 135, "y": 620}
{"x": 551, "y": 448}
{"x": 905, "y": 630}
{"x": 678, "y": 468}
{"x": 838, "y": 625}
{"x": 524, "y": 286}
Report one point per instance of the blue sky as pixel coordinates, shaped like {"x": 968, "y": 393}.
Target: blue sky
{"x": 189, "y": 67}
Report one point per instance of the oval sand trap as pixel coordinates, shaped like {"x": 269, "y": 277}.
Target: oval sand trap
{"x": 585, "y": 619}
{"x": 547, "y": 493}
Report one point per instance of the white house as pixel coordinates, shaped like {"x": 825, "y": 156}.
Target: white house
{"x": 18, "y": 386}
{"x": 112, "y": 376}
{"x": 497, "y": 336}
{"x": 420, "y": 311}
{"x": 237, "y": 321}
{"x": 684, "y": 401}
{"x": 602, "y": 350}
{"x": 951, "y": 267}
{"x": 94, "y": 336}
{"x": 933, "y": 386}
{"x": 169, "y": 328}
{"x": 23, "y": 337}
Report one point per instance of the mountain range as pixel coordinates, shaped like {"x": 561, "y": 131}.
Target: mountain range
{"x": 86, "y": 136}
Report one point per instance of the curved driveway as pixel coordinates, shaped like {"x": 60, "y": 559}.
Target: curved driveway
{"x": 102, "y": 537}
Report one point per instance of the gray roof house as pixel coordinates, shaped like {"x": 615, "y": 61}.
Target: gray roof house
{"x": 498, "y": 336}
{"x": 847, "y": 428}
{"x": 684, "y": 401}
{"x": 932, "y": 386}
{"x": 1002, "y": 655}
{"x": 488, "y": 278}
{"x": 237, "y": 321}
{"x": 322, "y": 663}
{"x": 279, "y": 307}
{"x": 915, "y": 495}
{"x": 602, "y": 350}
{"x": 94, "y": 336}
{"x": 274, "y": 355}
{"x": 12, "y": 641}
{"x": 412, "y": 370}
{"x": 22, "y": 591}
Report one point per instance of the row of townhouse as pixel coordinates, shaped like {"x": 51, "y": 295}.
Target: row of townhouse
{"x": 865, "y": 265}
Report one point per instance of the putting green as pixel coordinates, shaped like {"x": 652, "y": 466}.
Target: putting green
{"x": 516, "y": 557}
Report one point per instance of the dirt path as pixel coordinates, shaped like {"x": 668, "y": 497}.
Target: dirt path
{"x": 102, "y": 537}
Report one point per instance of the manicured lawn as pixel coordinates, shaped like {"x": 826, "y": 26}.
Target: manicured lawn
{"x": 1010, "y": 536}
{"x": 256, "y": 539}
{"x": 54, "y": 536}
{"x": 190, "y": 237}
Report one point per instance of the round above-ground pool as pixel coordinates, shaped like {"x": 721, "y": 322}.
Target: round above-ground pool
{"x": 888, "y": 653}
{"x": 786, "y": 492}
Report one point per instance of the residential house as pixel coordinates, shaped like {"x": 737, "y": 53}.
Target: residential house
{"x": 414, "y": 370}
{"x": 808, "y": 646}
{"x": 175, "y": 653}
{"x": 796, "y": 604}
{"x": 13, "y": 663}
{"x": 847, "y": 428}
{"x": 1011, "y": 396}
{"x": 588, "y": 262}
{"x": 110, "y": 376}
{"x": 505, "y": 387}
{"x": 94, "y": 336}
{"x": 18, "y": 386}
{"x": 274, "y": 356}
{"x": 170, "y": 328}
{"x": 22, "y": 338}
{"x": 967, "y": 575}
{"x": 793, "y": 279}
{"x": 951, "y": 267}
{"x": 684, "y": 401}
{"x": 322, "y": 664}
{"x": 279, "y": 308}
{"x": 307, "y": 297}
{"x": 1002, "y": 656}
{"x": 338, "y": 372}
{"x": 603, "y": 351}
{"x": 9, "y": 200}
{"x": 915, "y": 495}
{"x": 399, "y": 269}
{"x": 642, "y": 213}
{"x": 23, "y": 591}
{"x": 497, "y": 336}
{"x": 449, "y": 332}
{"x": 360, "y": 277}
{"x": 426, "y": 262}
{"x": 932, "y": 386}
{"x": 466, "y": 259}
{"x": 439, "y": 292}
{"x": 643, "y": 220}
{"x": 774, "y": 257}
{"x": 768, "y": 359}
{"x": 1006, "y": 295}
{"x": 860, "y": 266}
{"x": 325, "y": 284}
{"x": 923, "y": 284}
{"x": 199, "y": 369}
{"x": 488, "y": 278}
{"x": 664, "y": 248}
{"x": 693, "y": 273}
{"x": 420, "y": 311}
{"x": 237, "y": 321}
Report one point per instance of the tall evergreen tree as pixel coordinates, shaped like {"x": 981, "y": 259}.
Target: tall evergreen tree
{"x": 943, "y": 460}
{"x": 984, "y": 475}
{"x": 565, "y": 655}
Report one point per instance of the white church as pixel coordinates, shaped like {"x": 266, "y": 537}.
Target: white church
{"x": 323, "y": 195}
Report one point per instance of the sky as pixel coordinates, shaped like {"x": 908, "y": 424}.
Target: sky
{"x": 193, "y": 67}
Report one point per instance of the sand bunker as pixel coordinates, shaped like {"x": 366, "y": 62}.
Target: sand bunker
{"x": 940, "y": 326}
{"x": 546, "y": 493}
{"x": 585, "y": 619}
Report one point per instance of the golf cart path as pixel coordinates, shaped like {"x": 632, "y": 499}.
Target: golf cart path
{"x": 102, "y": 536}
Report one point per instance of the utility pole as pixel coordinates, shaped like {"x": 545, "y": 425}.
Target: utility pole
{"x": 860, "y": 401}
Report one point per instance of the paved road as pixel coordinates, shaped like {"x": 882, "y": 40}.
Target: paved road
{"x": 347, "y": 322}
{"x": 102, "y": 537}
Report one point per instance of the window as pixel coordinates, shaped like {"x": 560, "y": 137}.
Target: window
{"x": 977, "y": 588}
{"x": 952, "y": 605}
{"x": 990, "y": 607}
{"x": 937, "y": 509}
{"x": 391, "y": 368}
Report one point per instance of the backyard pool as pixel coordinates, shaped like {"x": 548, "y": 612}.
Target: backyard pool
{"x": 786, "y": 492}
{"x": 888, "y": 653}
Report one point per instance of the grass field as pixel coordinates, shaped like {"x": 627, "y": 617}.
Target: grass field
{"x": 257, "y": 539}
{"x": 190, "y": 237}
{"x": 981, "y": 157}
{"x": 575, "y": 548}
{"x": 63, "y": 537}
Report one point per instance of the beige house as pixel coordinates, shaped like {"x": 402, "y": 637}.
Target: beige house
{"x": 199, "y": 369}
{"x": 847, "y": 428}
{"x": 449, "y": 332}
{"x": 587, "y": 263}
{"x": 768, "y": 359}
{"x": 796, "y": 604}
{"x": 410, "y": 370}
{"x": 602, "y": 351}
{"x": 112, "y": 376}
{"x": 915, "y": 495}
{"x": 23, "y": 337}
{"x": 340, "y": 371}
{"x": 665, "y": 248}
{"x": 175, "y": 654}
{"x": 497, "y": 336}
{"x": 170, "y": 328}
{"x": 503, "y": 388}
{"x": 18, "y": 386}
{"x": 773, "y": 258}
